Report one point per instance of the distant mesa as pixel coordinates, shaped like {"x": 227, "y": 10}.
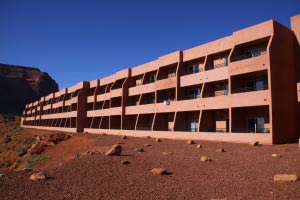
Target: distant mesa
{"x": 22, "y": 85}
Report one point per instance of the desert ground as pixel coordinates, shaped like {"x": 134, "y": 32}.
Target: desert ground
{"x": 241, "y": 172}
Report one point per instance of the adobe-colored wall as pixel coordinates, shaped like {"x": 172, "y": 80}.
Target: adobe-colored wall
{"x": 283, "y": 86}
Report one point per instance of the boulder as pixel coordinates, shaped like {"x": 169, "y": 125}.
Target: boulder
{"x": 221, "y": 150}
{"x": 138, "y": 149}
{"x": 254, "y": 143}
{"x": 147, "y": 145}
{"x": 167, "y": 153}
{"x": 158, "y": 140}
{"x": 38, "y": 148}
{"x": 199, "y": 146}
{"x": 148, "y": 137}
{"x": 159, "y": 171}
{"x": 191, "y": 142}
{"x": 115, "y": 150}
{"x": 38, "y": 176}
{"x": 124, "y": 137}
{"x": 205, "y": 159}
{"x": 275, "y": 155}
{"x": 125, "y": 162}
{"x": 286, "y": 178}
{"x": 57, "y": 137}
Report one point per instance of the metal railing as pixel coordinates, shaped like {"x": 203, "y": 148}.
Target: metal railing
{"x": 216, "y": 130}
{"x": 216, "y": 66}
{"x": 252, "y": 54}
{"x": 249, "y": 89}
{"x": 144, "y": 128}
{"x": 215, "y": 94}
{"x": 250, "y": 130}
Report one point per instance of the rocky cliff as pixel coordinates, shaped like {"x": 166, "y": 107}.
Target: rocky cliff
{"x": 21, "y": 85}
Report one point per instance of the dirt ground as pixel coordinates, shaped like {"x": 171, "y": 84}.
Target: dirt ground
{"x": 242, "y": 172}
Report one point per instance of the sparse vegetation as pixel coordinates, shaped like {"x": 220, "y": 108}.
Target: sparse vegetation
{"x": 77, "y": 154}
{"x": 36, "y": 158}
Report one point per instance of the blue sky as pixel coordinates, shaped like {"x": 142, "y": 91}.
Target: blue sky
{"x": 76, "y": 40}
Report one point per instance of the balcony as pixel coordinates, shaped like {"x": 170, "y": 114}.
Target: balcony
{"x": 71, "y": 101}
{"x": 242, "y": 97}
{"x": 250, "y": 64}
{"x": 105, "y": 112}
{"x": 60, "y": 115}
{"x": 167, "y": 83}
{"x": 216, "y": 74}
{"x": 147, "y": 88}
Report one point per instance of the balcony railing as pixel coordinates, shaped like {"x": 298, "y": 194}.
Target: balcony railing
{"x": 250, "y": 130}
{"x": 215, "y": 94}
{"x": 216, "y": 66}
{"x": 249, "y": 89}
{"x": 215, "y": 130}
{"x": 144, "y": 128}
{"x": 254, "y": 53}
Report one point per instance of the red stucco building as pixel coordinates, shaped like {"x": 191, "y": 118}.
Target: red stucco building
{"x": 240, "y": 88}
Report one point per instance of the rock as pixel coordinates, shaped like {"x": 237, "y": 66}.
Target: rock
{"x": 199, "y": 146}
{"x": 158, "y": 140}
{"x": 167, "y": 153}
{"x": 254, "y": 143}
{"x": 125, "y": 162}
{"x": 21, "y": 152}
{"x": 124, "y": 137}
{"x": 27, "y": 169}
{"x": 148, "y": 137}
{"x": 138, "y": 149}
{"x": 92, "y": 152}
{"x": 159, "y": 171}
{"x": 276, "y": 155}
{"x": 205, "y": 159}
{"x": 38, "y": 176}
{"x": 22, "y": 85}
{"x": 57, "y": 137}
{"x": 1, "y": 175}
{"x": 104, "y": 134}
{"x": 147, "y": 145}
{"x": 38, "y": 148}
{"x": 220, "y": 150}
{"x": 286, "y": 178}
{"x": 191, "y": 142}
{"x": 114, "y": 150}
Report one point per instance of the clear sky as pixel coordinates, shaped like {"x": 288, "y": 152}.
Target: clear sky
{"x": 76, "y": 40}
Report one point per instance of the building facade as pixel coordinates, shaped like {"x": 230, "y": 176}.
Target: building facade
{"x": 240, "y": 88}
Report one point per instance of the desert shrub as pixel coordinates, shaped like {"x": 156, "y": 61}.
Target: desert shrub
{"x": 77, "y": 154}
{"x": 28, "y": 142}
{"x": 34, "y": 159}
{"x": 7, "y": 139}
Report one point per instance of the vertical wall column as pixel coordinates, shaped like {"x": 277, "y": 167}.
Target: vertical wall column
{"x": 82, "y": 107}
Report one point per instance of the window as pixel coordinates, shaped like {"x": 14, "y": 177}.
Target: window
{"x": 226, "y": 61}
{"x": 192, "y": 69}
{"x": 256, "y": 52}
{"x": 193, "y": 125}
{"x": 255, "y": 85}
{"x": 152, "y": 78}
{"x": 152, "y": 98}
{"x": 194, "y": 93}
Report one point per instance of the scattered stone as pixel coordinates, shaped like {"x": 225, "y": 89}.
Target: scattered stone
{"x": 38, "y": 176}
{"x": 148, "y": 137}
{"x": 158, "y": 140}
{"x": 205, "y": 159}
{"x": 124, "y": 137}
{"x": 191, "y": 142}
{"x": 125, "y": 162}
{"x": 285, "y": 178}
{"x": 199, "y": 146}
{"x": 167, "y": 152}
{"x": 138, "y": 149}
{"x": 38, "y": 148}
{"x": 147, "y": 145}
{"x": 221, "y": 150}
{"x": 104, "y": 134}
{"x": 159, "y": 171}
{"x": 1, "y": 175}
{"x": 254, "y": 143}
{"x": 57, "y": 137}
{"x": 275, "y": 155}
{"x": 114, "y": 150}
{"x": 92, "y": 152}
{"x": 27, "y": 169}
